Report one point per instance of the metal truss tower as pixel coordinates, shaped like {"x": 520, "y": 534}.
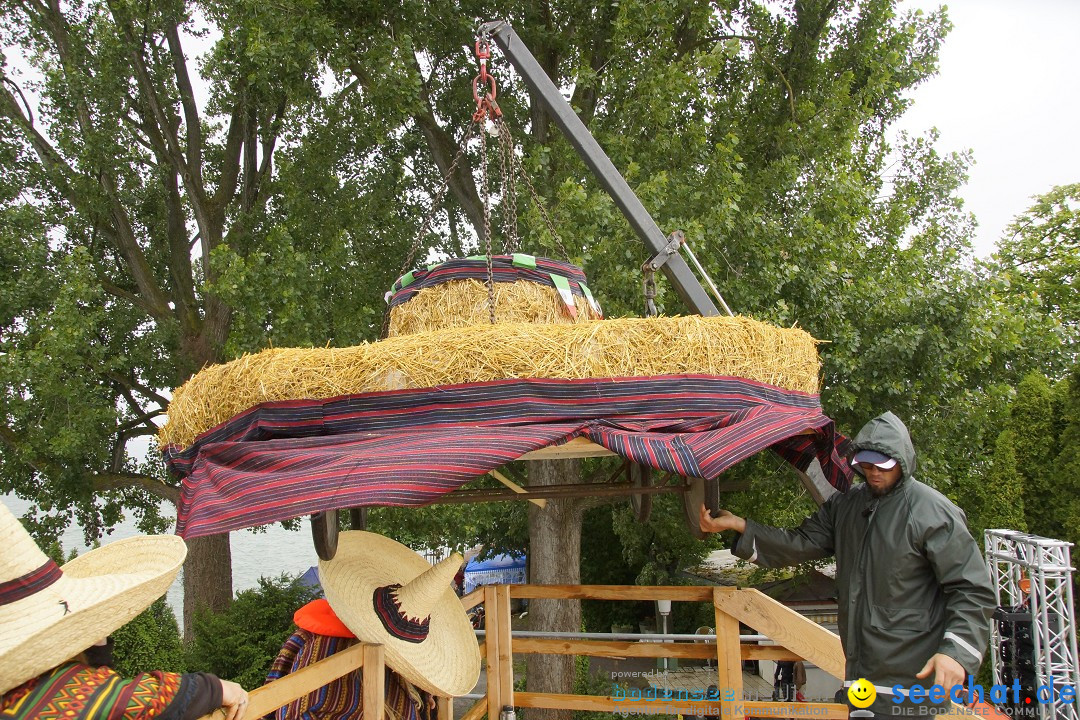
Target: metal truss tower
{"x": 1046, "y": 601}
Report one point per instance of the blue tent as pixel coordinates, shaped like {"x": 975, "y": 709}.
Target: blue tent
{"x": 311, "y": 579}
{"x": 499, "y": 569}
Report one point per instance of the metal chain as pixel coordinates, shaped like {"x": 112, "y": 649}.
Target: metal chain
{"x": 487, "y": 224}
{"x": 648, "y": 283}
{"x": 437, "y": 200}
{"x": 507, "y": 165}
{"x": 541, "y": 206}
{"x": 502, "y": 191}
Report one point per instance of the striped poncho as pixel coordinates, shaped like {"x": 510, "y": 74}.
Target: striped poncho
{"x": 341, "y": 699}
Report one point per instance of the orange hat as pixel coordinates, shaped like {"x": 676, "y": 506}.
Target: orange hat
{"x": 318, "y": 617}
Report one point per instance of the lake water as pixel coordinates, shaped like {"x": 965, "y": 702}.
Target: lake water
{"x": 266, "y": 553}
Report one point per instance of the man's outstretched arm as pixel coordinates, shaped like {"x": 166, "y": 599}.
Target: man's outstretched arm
{"x": 773, "y": 547}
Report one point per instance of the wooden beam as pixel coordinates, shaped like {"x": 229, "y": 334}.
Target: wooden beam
{"x": 579, "y": 447}
{"x": 444, "y": 708}
{"x": 374, "y": 685}
{"x": 282, "y": 691}
{"x": 784, "y": 626}
{"x": 689, "y": 593}
{"x": 728, "y": 660}
{"x": 767, "y": 652}
{"x": 491, "y": 611}
{"x": 477, "y": 711}
{"x": 517, "y": 489}
{"x": 709, "y": 708}
{"x": 505, "y": 653}
{"x": 473, "y": 599}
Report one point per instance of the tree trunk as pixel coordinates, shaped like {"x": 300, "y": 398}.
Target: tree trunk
{"x": 554, "y": 558}
{"x": 207, "y": 578}
{"x": 208, "y": 567}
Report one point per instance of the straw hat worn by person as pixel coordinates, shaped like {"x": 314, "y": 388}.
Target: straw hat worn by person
{"x": 389, "y": 595}
{"x": 53, "y": 625}
{"x": 384, "y": 593}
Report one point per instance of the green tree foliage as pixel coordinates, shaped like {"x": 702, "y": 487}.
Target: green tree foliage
{"x": 151, "y": 641}
{"x": 140, "y": 201}
{"x": 604, "y": 563}
{"x": 1067, "y": 463}
{"x": 999, "y": 502}
{"x": 1039, "y": 260}
{"x": 240, "y": 643}
{"x": 1037, "y": 453}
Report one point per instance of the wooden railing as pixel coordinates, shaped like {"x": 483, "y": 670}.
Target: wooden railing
{"x": 283, "y": 691}
{"x": 795, "y": 636}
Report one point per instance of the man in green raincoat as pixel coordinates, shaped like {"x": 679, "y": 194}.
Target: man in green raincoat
{"x": 915, "y": 597}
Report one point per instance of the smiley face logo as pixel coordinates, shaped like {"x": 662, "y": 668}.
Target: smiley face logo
{"x": 862, "y": 693}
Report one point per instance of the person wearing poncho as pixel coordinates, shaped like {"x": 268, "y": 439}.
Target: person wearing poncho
{"x": 54, "y": 662}
{"x": 382, "y": 592}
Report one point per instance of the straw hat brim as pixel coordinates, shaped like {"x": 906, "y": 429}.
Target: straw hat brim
{"x": 447, "y": 662}
{"x": 99, "y": 592}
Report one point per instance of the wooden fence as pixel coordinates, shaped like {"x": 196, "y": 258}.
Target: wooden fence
{"x": 796, "y": 638}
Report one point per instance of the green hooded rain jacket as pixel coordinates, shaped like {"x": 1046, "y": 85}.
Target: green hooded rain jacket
{"x": 910, "y": 579}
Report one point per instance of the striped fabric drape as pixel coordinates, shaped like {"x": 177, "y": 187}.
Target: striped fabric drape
{"x": 286, "y": 459}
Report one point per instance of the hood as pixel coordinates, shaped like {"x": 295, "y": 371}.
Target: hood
{"x": 887, "y": 434}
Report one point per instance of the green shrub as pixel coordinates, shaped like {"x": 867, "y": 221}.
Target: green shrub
{"x": 151, "y": 641}
{"x": 240, "y": 643}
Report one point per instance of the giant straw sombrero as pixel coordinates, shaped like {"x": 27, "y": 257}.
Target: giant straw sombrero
{"x": 50, "y": 613}
{"x": 448, "y": 396}
{"x": 388, "y": 595}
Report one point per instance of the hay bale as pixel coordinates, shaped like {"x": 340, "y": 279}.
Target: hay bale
{"x": 459, "y": 303}
{"x": 628, "y": 347}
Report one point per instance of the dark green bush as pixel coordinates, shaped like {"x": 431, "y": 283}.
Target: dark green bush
{"x": 240, "y": 643}
{"x": 149, "y": 642}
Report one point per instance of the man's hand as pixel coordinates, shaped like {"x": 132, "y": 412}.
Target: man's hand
{"x": 234, "y": 700}
{"x": 947, "y": 671}
{"x": 724, "y": 521}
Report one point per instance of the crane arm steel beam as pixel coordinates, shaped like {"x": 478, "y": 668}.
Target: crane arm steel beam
{"x": 544, "y": 91}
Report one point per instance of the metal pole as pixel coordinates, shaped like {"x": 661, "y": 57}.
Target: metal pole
{"x": 543, "y": 91}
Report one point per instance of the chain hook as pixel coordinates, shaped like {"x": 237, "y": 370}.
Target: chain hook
{"x": 484, "y": 89}
{"x": 648, "y": 284}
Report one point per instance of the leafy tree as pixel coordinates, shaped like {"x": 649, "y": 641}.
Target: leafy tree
{"x": 1039, "y": 258}
{"x": 1042, "y": 432}
{"x": 1067, "y": 463}
{"x": 1000, "y": 500}
{"x": 604, "y": 563}
{"x": 240, "y": 643}
{"x": 135, "y": 212}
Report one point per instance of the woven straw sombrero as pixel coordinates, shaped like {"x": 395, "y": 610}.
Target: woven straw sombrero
{"x": 49, "y": 613}
{"x": 387, "y": 594}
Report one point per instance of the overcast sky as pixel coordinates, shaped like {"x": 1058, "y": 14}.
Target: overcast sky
{"x": 1008, "y": 89}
